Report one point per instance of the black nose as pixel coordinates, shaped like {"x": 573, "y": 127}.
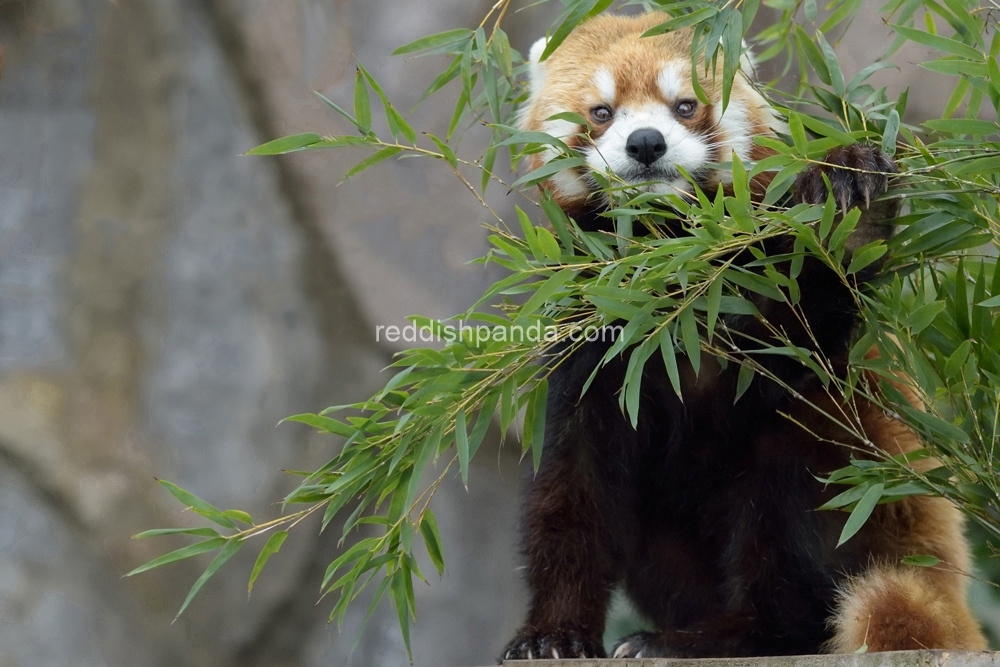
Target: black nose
{"x": 646, "y": 146}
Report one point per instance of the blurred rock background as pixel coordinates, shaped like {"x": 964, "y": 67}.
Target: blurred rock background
{"x": 164, "y": 302}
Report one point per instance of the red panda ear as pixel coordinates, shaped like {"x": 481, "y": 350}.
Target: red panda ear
{"x": 536, "y": 68}
{"x": 748, "y": 62}
{"x": 535, "y": 53}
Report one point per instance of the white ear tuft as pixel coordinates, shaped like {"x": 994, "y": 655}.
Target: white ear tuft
{"x": 535, "y": 54}
{"x": 748, "y": 62}
{"x": 536, "y": 70}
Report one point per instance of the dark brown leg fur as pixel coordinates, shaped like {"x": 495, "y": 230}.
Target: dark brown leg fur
{"x": 731, "y": 483}
{"x": 573, "y": 523}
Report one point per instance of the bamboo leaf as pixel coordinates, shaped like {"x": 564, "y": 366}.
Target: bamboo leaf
{"x": 227, "y": 552}
{"x": 549, "y": 169}
{"x": 861, "y": 512}
{"x": 371, "y": 161}
{"x": 200, "y": 532}
{"x": 435, "y": 41}
{"x": 362, "y": 104}
{"x": 889, "y": 135}
{"x": 432, "y": 540}
{"x": 271, "y": 547}
{"x": 682, "y": 21}
{"x": 180, "y": 554}
{"x": 921, "y": 561}
{"x": 462, "y": 445}
{"x": 286, "y": 144}
{"x": 963, "y": 126}
{"x": 192, "y": 501}
{"x": 951, "y": 46}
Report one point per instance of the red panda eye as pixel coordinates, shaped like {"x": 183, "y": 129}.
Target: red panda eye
{"x": 601, "y": 114}
{"x": 685, "y": 108}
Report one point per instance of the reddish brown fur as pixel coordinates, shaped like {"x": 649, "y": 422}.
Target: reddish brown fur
{"x": 613, "y": 42}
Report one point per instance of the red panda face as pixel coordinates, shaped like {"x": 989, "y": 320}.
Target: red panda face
{"x": 647, "y": 124}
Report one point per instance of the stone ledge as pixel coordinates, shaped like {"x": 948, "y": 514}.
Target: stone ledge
{"x": 887, "y": 659}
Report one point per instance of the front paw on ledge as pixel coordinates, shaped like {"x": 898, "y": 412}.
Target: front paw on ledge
{"x": 531, "y": 644}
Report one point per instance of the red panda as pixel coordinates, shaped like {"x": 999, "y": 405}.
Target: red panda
{"x": 703, "y": 514}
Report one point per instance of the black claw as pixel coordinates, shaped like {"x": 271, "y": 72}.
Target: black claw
{"x": 856, "y": 173}
{"x": 544, "y": 645}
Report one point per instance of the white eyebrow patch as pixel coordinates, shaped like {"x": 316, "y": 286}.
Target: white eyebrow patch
{"x": 605, "y": 84}
{"x": 671, "y": 81}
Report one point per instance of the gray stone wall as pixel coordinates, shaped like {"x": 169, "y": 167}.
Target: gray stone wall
{"x": 165, "y": 301}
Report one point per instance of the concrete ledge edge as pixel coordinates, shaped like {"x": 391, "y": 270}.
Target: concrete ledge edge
{"x": 886, "y": 659}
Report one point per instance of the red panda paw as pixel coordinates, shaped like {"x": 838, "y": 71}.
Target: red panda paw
{"x": 532, "y": 644}
{"x": 857, "y": 174}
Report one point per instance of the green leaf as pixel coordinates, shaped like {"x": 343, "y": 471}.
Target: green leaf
{"x": 549, "y": 169}
{"x": 993, "y": 302}
{"x": 922, "y": 561}
{"x": 426, "y": 450}
{"x": 270, "y": 548}
{"x": 530, "y": 235}
{"x": 714, "y": 304}
{"x": 336, "y": 107}
{"x": 743, "y": 380}
{"x": 963, "y": 126}
{"x": 326, "y": 423}
{"x": 866, "y": 255}
{"x": 957, "y": 360}
{"x": 951, "y": 46}
{"x": 957, "y": 67}
{"x": 502, "y": 53}
{"x": 939, "y": 427}
{"x": 570, "y": 117}
{"x": 682, "y": 21}
{"x": 861, "y": 512}
{"x": 200, "y": 532}
{"x": 546, "y": 290}
{"x": 181, "y": 554}
{"x": 437, "y": 40}
{"x": 362, "y": 104}
{"x": 238, "y": 515}
{"x": 732, "y": 50}
{"x": 227, "y": 552}
{"x": 432, "y": 540}
{"x": 372, "y": 160}
{"x": 285, "y": 144}
{"x": 400, "y": 601}
{"x": 689, "y": 336}
{"x": 799, "y": 137}
{"x": 549, "y": 244}
{"x": 579, "y": 12}
{"x": 633, "y": 377}
{"x": 462, "y": 446}
{"x": 670, "y": 360}
{"x": 210, "y": 512}
{"x": 889, "y": 135}
{"x": 807, "y": 47}
{"x": 535, "y": 138}
{"x": 489, "y": 76}
{"x": 832, "y": 65}
{"x": 442, "y": 79}
{"x": 921, "y": 318}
